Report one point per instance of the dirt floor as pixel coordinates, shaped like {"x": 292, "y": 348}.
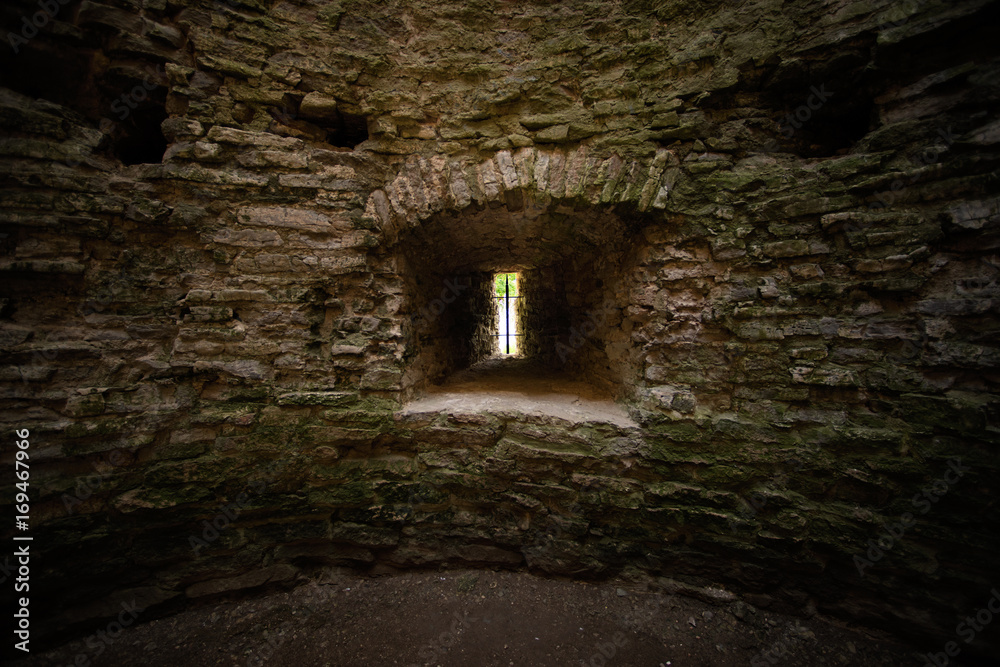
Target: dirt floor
{"x": 479, "y": 618}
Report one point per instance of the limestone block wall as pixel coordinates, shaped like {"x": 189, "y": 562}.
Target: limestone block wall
{"x": 791, "y": 208}
{"x": 545, "y": 313}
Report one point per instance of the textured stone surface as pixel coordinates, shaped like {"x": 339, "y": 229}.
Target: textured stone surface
{"x": 770, "y": 230}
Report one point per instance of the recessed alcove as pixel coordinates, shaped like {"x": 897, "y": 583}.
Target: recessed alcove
{"x": 514, "y": 385}
{"x": 569, "y": 261}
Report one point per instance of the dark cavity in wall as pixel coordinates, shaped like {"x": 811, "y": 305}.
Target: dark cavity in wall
{"x": 138, "y": 139}
{"x": 41, "y": 67}
{"x": 131, "y": 111}
{"x": 322, "y": 120}
{"x": 350, "y": 131}
{"x": 822, "y": 110}
{"x": 970, "y": 40}
{"x": 123, "y": 97}
{"x": 808, "y": 106}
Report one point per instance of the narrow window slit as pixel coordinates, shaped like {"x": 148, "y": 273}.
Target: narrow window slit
{"x": 507, "y": 297}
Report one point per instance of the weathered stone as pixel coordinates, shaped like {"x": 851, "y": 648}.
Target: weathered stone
{"x": 553, "y": 135}
{"x": 292, "y": 218}
{"x": 259, "y": 140}
{"x": 319, "y": 106}
{"x": 179, "y": 129}
{"x": 794, "y": 301}
{"x": 786, "y": 248}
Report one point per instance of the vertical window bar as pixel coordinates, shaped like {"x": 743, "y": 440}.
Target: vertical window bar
{"x": 506, "y": 296}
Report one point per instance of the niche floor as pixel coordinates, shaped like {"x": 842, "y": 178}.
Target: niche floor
{"x": 505, "y": 384}
{"x": 486, "y": 619}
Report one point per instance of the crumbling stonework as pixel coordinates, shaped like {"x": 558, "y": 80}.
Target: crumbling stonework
{"x": 774, "y": 228}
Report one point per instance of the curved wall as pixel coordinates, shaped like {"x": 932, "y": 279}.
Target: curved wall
{"x": 801, "y": 313}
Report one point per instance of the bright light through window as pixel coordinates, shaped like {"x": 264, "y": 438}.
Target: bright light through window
{"x": 507, "y": 297}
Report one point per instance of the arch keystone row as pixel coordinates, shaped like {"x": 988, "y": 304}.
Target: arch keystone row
{"x": 424, "y": 186}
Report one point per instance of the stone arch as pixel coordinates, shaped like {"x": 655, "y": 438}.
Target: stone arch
{"x": 574, "y": 212}
{"x": 424, "y": 186}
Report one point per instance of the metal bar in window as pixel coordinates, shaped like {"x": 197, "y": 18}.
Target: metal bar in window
{"x": 506, "y": 294}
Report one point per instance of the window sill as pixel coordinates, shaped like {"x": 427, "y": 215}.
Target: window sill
{"x": 511, "y": 385}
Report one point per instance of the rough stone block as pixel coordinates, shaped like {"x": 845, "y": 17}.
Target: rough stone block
{"x": 292, "y": 218}
{"x": 252, "y": 579}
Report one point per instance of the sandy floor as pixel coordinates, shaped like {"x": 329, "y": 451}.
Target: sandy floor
{"x": 480, "y": 618}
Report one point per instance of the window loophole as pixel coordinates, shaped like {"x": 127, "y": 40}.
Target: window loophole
{"x": 507, "y": 298}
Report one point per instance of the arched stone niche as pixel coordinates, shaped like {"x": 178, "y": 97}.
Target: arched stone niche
{"x": 567, "y": 221}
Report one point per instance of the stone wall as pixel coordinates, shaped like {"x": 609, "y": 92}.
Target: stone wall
{"x": 544, "y": 313}
{"x": 791, "y": 210}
